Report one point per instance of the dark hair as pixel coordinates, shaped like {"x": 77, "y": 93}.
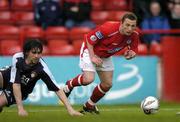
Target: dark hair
{"x": 129, "y": 15}
{"x": 30, "y": 44}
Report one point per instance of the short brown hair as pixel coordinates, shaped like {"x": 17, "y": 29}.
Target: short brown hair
{"x": 129, "y": 15}
{"x": 30, "y": 44}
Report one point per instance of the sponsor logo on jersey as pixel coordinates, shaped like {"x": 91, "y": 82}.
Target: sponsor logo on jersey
{"x": 24, "y": 79}
{"x": 93, "y": 38}
{"x": 114, "y": 50}
{"x": 115, "y": 44}
{"x": 128, "y": 41}
{"x": 99, "y": 35}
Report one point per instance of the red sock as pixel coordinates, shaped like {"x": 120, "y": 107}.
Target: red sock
{"x": 77, "y": 81}
{"x": 97, "y": 94}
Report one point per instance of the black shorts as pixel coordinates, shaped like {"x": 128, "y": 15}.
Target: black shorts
{"x": 7, "y": 86}
{"x": 10, "y": 96}
{"x": 6, "y": 76}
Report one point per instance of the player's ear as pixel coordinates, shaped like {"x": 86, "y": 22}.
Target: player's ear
{"x": 121, "y": 22}
{"x": 26, "y": 54}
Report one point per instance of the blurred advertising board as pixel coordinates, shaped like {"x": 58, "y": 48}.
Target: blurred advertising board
{"x": 133, "y": 80}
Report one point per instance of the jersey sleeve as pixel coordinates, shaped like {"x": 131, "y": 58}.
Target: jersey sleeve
{"x": 135, "y": 42}
{"x": 95, "y": 35}
{"x": 48, "y": 78}
{"x": 15, "y": 71}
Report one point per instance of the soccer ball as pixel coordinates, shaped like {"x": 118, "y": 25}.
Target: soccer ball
{"x": 150, "y": 105}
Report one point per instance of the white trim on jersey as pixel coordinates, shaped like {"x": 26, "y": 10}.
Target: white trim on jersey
{"x": 13, "y": 68}
{"x": 46, "y": 69}
{"x": 136, "y": 32}
{"x": 113, "y": 33}
{"x": 82, "y": 49}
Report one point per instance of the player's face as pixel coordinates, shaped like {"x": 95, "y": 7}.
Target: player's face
{"x": 128, "y": 26}
{"x": 33, "y": 56}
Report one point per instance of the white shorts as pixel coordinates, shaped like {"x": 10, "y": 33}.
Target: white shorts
{"x": 86, "y": 64}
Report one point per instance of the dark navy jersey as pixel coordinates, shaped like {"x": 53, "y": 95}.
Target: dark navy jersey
{"x": 27, "y": 76}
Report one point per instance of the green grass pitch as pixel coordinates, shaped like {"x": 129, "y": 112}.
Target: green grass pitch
{"x": 109, "y": 113}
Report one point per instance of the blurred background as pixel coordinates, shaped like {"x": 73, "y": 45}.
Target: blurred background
{"x": 61, "y": 24}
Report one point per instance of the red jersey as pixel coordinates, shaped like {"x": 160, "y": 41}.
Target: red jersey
{"x": 107, "y": 39}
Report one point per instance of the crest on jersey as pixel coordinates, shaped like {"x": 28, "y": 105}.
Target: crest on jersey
{"x": 93, "y": 38}
{"x": 99, "y": 35}
{"x": 128, "y": 41}
{"x": 33, "y": 74}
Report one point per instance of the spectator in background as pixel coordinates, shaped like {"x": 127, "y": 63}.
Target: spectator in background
{"x": 170, "y": 5}
{"x": 140, "y": 8}
{"x": 156, "y": 20}
{"x": 48, "y": 13}
{"x": 77, "y": 13}
{"x": 175, "y": 16}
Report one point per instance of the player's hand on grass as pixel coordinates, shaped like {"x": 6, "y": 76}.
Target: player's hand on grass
{"x": 22, "y": 112}
{"x": 75, "y": 113}
{"x": 129, "y": 54}
{"x": 97, "y": 60}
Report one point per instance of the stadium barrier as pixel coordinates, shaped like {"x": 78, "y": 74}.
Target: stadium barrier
{"x": 133, "y": 80}
{"x": 171, "y": 68}
{"x": 170, "y": 43}
{"x": 160, "y": 31}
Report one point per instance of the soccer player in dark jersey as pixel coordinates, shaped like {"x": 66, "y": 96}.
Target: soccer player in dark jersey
{"x": 95, "y": 56}
{"x": 18, "y": 80}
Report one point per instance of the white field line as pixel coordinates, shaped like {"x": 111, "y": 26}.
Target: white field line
{"x": 106, "y": 110}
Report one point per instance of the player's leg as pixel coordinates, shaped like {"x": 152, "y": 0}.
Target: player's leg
{"x": 3, "y": 101}
{"x": 86, "y": 77}
{"x": 99, "y": 91}
{"x": 83, "y": 79}
{"x": 105, "y": 74}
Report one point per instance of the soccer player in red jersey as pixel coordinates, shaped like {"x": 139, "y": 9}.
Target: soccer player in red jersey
{"x": 95, "y": 56}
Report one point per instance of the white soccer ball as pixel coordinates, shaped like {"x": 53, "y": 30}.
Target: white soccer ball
{"x": 150, "y": 105}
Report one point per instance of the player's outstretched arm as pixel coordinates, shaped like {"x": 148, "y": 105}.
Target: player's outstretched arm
{"x": 68, "y": 106}
{"x": 18, "y": 98}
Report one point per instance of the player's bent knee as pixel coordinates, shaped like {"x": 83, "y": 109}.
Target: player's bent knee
{"x": 107, "y": 85}
{"x": 88, "y": 80}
